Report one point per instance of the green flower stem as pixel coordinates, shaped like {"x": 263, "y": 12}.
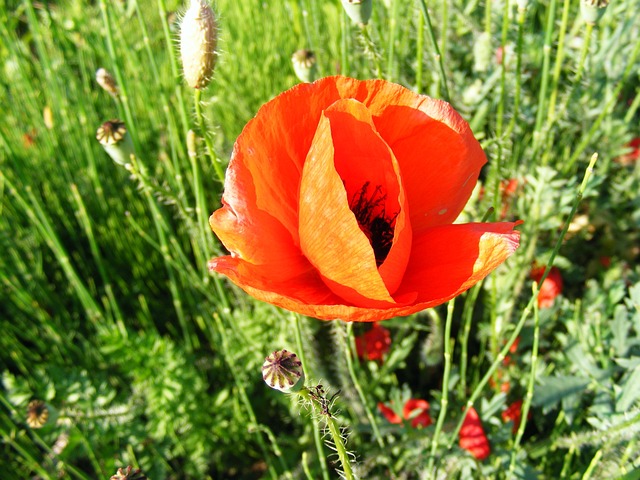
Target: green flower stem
{"x": 444, "y": 403}
{"x": 393, "y": 29}
{"x": 633, "y": 107}
{"x": 546, "y": 62}
{"x": 316, "y": 429}
{"x": 525, "y": 313}
{"x": 557, "y": 70}
{"x": 526, "y": 405}
{"x": 370, "y": 48}
{"x": 437, "y": 55}
{"x": 420, "y": 54}
{"x": 469, "y": 303}
{"x": 354, "y": 378}
{"x": 503, "y": 70}
{"x": 205, "y": 134}
{"x": 334, "y": 430}
{"x": 516, "y": 104}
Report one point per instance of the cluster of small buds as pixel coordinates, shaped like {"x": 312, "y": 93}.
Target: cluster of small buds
{"x": 107, "y": 82}
{"x": 358, "y": 10}
{"x": 304, "y": 65}
{"x": 198, "y": 42}
{"x": 128, "y": 473}
{"x": 282, "y": 370}
{"x": 116, "y": 141}
{"x": 37, "y": 414}
{"x": 592, "y": 10}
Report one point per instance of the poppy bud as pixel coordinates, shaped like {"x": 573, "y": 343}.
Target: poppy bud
{"x": 198, "y": 41}
{"x": 107, "y": 82}
{"x": 304, "y": 64}
{"x": 282, "y": 370}
{"x": 116, "y": 141}
{"x": 592, "y": 10}
{"x": 482, "y": 52}
{"x": 358, "y": 10}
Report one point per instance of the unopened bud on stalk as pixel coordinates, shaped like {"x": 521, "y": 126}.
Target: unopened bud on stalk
{"x": 198, "y": 41}
{"x": 304, "y": 64}
{"x": 107, "y": 82}
{"x": 592, "y": 10}
{"x": 358, "y": 10}
{"x": 47, "y": 116}
{"x": 282, "y": 370}
{"x": 116, "y": 141}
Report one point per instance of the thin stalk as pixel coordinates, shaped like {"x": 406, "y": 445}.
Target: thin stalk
{"x": 469, "y": 303}
{"x": 393, "y": 28}
{"x": 356, "y": 383}
{"x": 444, "y": 403}
{"x": 316, "y": 429}
{"x": 546, "y": 62}
{"x": 503, "y": 69}
{"x": 437, "y": 55}
{"x": 370, "y": 49}
{"x": 525, "y": 313}
{"x": 518, "y": 91}
{"x": 526, "y": 406}
{"x": 551, "y": 110}
{"x": 420, "y": 53}
{"x": 632, "y": 108}
{"x": 344, "y": 44}
{"x": 205, "y": 134}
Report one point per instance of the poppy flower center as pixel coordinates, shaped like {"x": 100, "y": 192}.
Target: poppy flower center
{"x": 368, "y": 205}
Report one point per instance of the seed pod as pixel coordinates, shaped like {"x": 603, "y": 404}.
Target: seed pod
{"x": 592, "y": 10}
{"x": 282, "y": 370}
{"x": 128, "y": 473}
{"x": 107, "y": 82}
{"x": 116, "y": 141}
{"x": 358, "y": 10}
{"x": 198, "y": 41}
{"x": 37, "y": 414}
{"x": 304, "y": 64}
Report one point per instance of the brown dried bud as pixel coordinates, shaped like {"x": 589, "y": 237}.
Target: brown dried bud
{"x": 128, "y": 473}
{"x": 107, "y": 82}
{"x": 198, "y": 41}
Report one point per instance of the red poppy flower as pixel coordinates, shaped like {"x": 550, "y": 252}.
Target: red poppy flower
{"x": 634, "y": 154}
{"x": 550, "y": 288}
{"x": 339, "y": 201}
{"x": 422, "y": 418}
{"x": 472, "y": 436}
{"x": 513, "y": 413}
{"x": 389, "y": 414}
{"x": 374, "y": 344}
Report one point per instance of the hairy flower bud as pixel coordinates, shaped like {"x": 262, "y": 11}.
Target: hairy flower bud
{"x": 304, "y": 64}
{"x": 198, "y": 41}
{"x": 107, "y": 82}
{"x": 282, "y": 370}
{"x": 358, "y": 10}
{"x": 116, "y": 141}
{"x": 592, "y": 10}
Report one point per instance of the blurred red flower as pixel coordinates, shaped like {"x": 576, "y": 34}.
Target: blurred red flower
{"x": 421, "y": 419}
{"x": 513, "y": 413}
{"x": 550, "y": 288}
{"x": 373, "y": 344}
{"x": 632, "y": 157}
{"x": 472, "y": 436}
{"x": 340, "y": 198}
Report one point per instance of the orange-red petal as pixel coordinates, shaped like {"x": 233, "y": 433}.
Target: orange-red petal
{"x": 472, "y": 436}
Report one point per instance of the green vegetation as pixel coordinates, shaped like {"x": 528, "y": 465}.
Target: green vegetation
{"x": 109, "y": 315}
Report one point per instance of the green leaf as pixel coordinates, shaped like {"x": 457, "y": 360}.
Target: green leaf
{"x": 554, "y": 389}
{"x": 620, "y": 330}
{"x": 630, "y": 391}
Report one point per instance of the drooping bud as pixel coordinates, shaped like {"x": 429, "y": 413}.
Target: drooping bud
{"x": 116, "y": 141}
{"x": 37, "y": 414}
{"x": 198, "y": 41}
{"x": 107, "y": 82}
{"x": 592, "y": 10}
{"x": 304, "y": 64}
{"x": 282, "y": 370}
{"x": 358, "y": 10}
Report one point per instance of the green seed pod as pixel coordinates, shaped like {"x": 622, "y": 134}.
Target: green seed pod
{"x": 592, "y": 10}
{"x": 358, "y": 10}
{"x": 116, "y": 141}
{"x": 304, "y": 64}
{"x": 198, "y": 41}
{"x": 282, "y": 370}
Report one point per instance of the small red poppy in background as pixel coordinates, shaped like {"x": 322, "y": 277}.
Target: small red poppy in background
{"x": 513, "y": 413}
{"x": 340, "y": 198}
{"x": 633, "y": 156}
{"x": 472, "y": 436}
{"x": 411, "y": 406}
{"x": 550, "y": 288}
{"x": 373, "y": 344}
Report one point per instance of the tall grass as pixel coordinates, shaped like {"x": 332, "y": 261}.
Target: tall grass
{"x": 108, "y": 312}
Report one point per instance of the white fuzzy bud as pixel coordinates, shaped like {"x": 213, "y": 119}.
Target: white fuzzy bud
{"x": 198, "y": 41}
